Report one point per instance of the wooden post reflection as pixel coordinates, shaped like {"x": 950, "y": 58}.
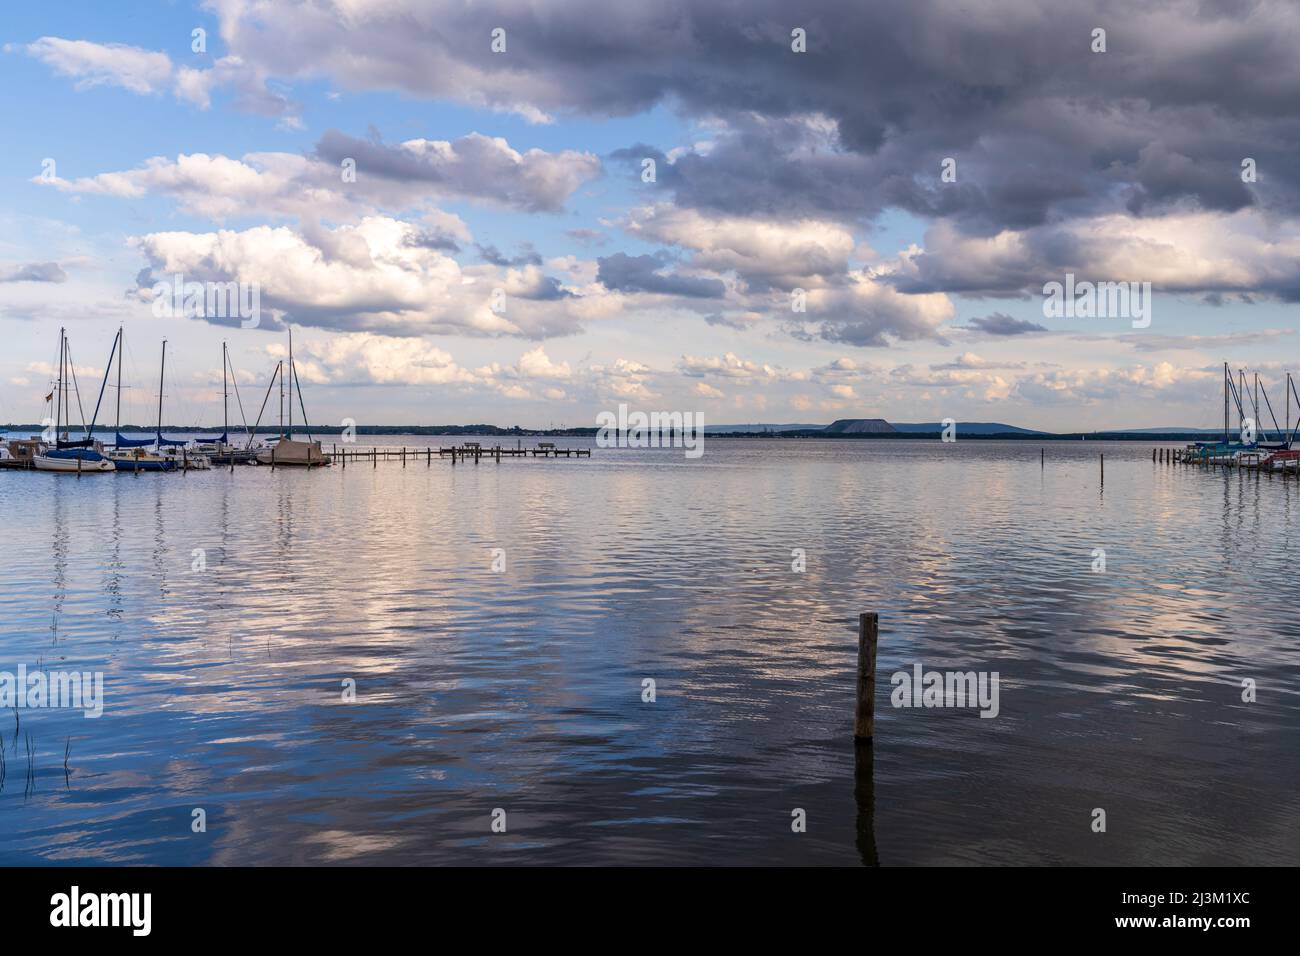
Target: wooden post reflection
{"x": 864, "y": 792}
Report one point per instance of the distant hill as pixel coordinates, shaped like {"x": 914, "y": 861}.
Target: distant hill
{"x": 872, "y": 426}
{"x": 1172, "y": 430}
{"x": 967, "y": 428}
{"x": 859, "y": 426}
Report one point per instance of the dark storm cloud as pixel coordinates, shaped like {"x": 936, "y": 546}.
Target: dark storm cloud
{"x": 528, "y": 256}
{"x": 1039, "y": 124}
{"x": 473, "y": 166}
{"x": 1162, "y": 176}
{"x": 1061, "y": 155}
{"x": 624, "y": 273}
{"x": 540, "y": 288}
{"x": 999, "y": 323}
{"x": 433, "y": 239}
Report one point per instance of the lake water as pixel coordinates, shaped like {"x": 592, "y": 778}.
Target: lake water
{"x": 521, "y": 689}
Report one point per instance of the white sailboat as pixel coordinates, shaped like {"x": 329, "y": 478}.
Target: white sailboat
{"x": 175, "y": 451}
{"x": 78, "y": 460}
{"x": 219, "y": 450}
{"x": 131, "y": 454}
{"x": 85, "y": 456}
{"x": 288, "y": 450}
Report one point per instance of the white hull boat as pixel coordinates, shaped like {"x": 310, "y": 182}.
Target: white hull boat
{"x": 77, "y": 460}
{"x": 187, "y": 459}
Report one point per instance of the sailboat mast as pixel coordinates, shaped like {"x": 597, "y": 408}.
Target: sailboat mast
{"x": 1225, "y": 401}
{"x": 58, "y": 391}
{"x": 117, "y": 427}
{"x": 1242, "y": 395}
{"x": 64, "y": 393}
{"x": 292, "y": 376}
{"x": 161, "y": 367}
{"x": 279, "y": 371}
{"x": 68, "y": 373}
{"x": 225, "y": 397}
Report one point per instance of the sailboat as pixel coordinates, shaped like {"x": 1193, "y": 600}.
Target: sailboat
{"x": 83, "y": 456}
{"x": 173, "y": 449}
{"x": 288, "y": 450}
{"x": 218, "y": 449}
{"x": 132, "y": 455}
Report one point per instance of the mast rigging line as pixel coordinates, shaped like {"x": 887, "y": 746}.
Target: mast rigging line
{"x": 1271, "y": 413}
{"x": 278, "y": 373}
{"x": 76, "y": 390}
{"x": 294, "y": 372}
{"x": 234, "y": 380}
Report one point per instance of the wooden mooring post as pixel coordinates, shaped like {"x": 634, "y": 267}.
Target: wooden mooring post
{"x": 864, "y": 722}
{"x": 460, "y": 454}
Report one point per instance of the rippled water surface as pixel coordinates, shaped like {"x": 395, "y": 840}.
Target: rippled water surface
{"x": 522, "y": 690}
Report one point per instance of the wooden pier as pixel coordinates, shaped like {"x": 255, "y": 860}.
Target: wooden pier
{"x": 468, "y": 451}
{"x": 1252, "y": 460}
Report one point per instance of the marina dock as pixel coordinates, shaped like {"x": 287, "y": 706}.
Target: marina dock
{"x": 1282, "y": 461}
{"x": 341, "y": 454}
{"x": 467, "y": 451}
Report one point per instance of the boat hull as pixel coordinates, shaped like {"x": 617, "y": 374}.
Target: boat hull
{"x": 297, "y": 454}
{"x": 128, "y": 462}
{"x": 189, "y": 461}
{"x": 89, "y": 464}
{"x": 233, "y": 456}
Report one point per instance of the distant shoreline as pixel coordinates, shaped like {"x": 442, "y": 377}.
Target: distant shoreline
{"x": 517, "y": 432}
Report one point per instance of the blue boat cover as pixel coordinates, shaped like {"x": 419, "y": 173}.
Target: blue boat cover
{"x": 71, "y": 454}
{"x": 124, "y": 442}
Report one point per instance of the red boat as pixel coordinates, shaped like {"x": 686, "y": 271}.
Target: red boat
{"x": 1285, "y": 459}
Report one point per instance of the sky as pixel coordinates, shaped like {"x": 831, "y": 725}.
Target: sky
{"x": 526, "y": 214}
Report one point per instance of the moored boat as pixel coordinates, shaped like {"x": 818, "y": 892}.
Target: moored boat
{"x": 79, "y": 460}
{"x": 19, "y": 452}
{"x": 1285, "y": 459}
{"x": 84, "y": 456}
{"x": 184, "y": 457}
{"x": 288, "y": 450}
{"x": 131, "y": 459}
{"x": 291, "y": 451}
{"x": 221, "y": 452}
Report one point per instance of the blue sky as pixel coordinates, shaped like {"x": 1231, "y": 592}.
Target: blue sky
{"x": 777, "y": 171}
